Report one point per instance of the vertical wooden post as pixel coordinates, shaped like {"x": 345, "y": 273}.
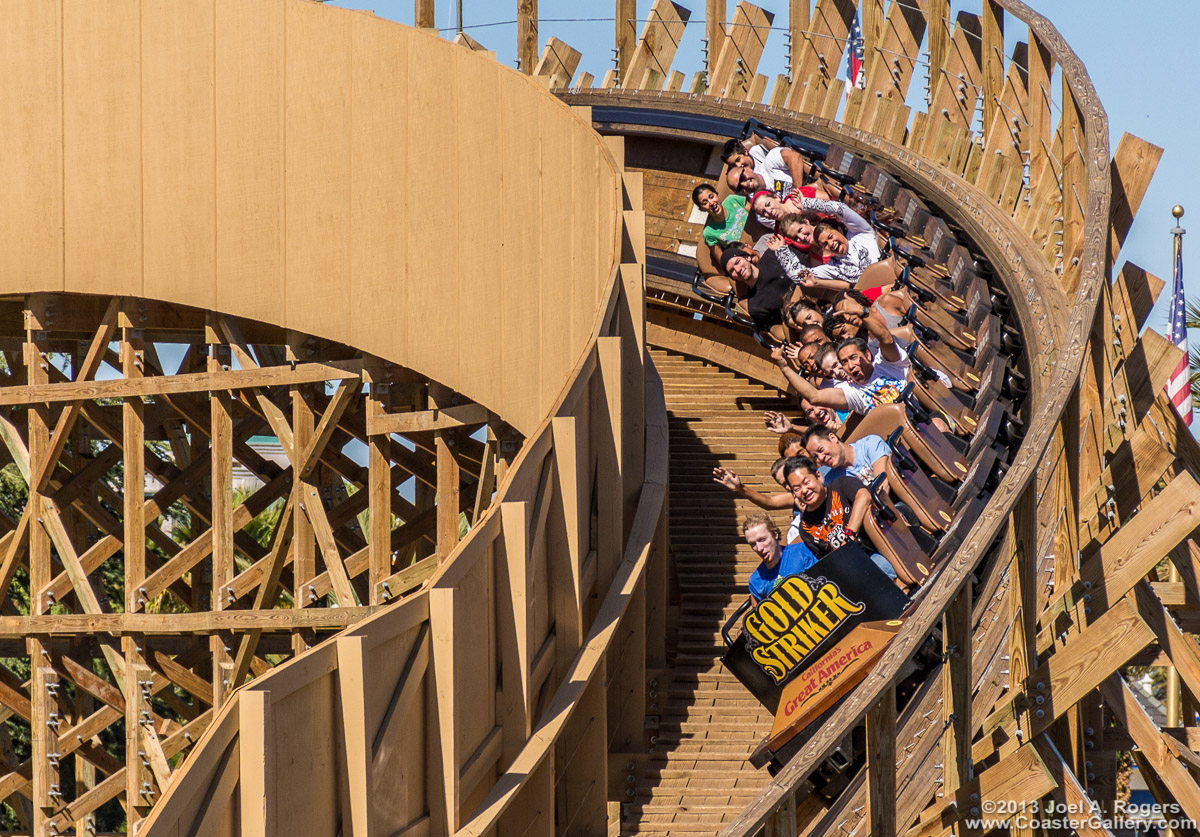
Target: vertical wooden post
{"x": 1041, "y": 67}
{"x": 1022, "y": 593}
{"x": 783, "y": 821}
{"x": 44, "y": 705}
{"x": 423, "y": 14}
{"x": 379, "y": 501}
{"x": 715, "y": 17}
{"x": 447, "y": 495}
{"x": 45, "y": 724}
{"x": 993, "y": 60}
{"x": 626, "y": 37}
{"x": 937, "y": 15}
{"x": 85, "y": 772}
{"x": 527, "y": 35}
{"x": 872, "y": 25}
{"x": 1074, "y": 186}
{"x": 134, "y": 442}
{"x": 221, "y": 436}
{"x": 304, "y": 541}
{"x": 139, "y": 779}
{"x": 881, "y": 764}
{"x": 799, "y": 18}
{"x": 449, "y": 482}
{"x": 956, "y": 693}
{"x": 610, "y": 501}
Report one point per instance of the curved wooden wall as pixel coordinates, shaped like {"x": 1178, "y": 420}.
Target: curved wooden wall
{"x": 311, "y": 167}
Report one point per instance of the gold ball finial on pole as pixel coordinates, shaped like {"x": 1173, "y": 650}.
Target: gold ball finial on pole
{"x": 1177, "y": 211}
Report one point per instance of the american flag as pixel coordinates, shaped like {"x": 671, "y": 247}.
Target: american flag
{"x": 854, "y": 59}
{"x": 1178, "y": 386}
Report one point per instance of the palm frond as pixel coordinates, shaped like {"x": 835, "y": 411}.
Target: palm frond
{"x": 1192, "y": 313}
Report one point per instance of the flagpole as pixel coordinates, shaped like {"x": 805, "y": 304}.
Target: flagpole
{"x": 1173, "y": 706}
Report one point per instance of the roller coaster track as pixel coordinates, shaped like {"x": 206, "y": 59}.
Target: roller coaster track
{"x": 475, "y": 577}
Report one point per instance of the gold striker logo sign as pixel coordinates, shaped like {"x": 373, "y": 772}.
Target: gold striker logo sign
{"x": 792, "y": 621}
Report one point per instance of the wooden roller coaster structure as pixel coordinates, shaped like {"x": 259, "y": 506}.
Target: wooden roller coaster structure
{"x": 445, "y": 598}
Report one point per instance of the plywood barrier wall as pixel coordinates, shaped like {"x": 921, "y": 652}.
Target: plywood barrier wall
{"x": 312, "y": 167}
{"x": 333, "y": 173}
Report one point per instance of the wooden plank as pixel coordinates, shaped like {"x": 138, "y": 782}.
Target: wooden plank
{"x": 626, "y": 33}
{"x": 881, "y": 764}
{"x": 527, "y": 36}
{"x": 558, "y": 63}
{"x": 799, "y": 21}
{"x": 656, "y": 47}
{"x": 992, "y": 69}
{"x": 1134, "y": 293}
{"x": 1133, "y": 165}
{"x": 1074, "y": 185}
{"x": 817, "y": 52}
{"x": 957, "y": 685}
{"x": 461, "y": 415}
{"x": 743, "y": 48}
{"x": 1041, "y": 68}
{"x": 74, "y": 624}
{"x": 1004, "y": 131}
{"x": 379, "y": 499}
{"x": 715, "y": 21}
{"x": 893, "y": 56}
{"x": 955, "y": 95}
{"x": 340, "y": 370}
{"x": 249, "y": 166}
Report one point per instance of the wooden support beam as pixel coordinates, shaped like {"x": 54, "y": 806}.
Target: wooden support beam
{"x": 740, "y": 55}
{"x": 265, "y": 598}
{"x": 937, "y": 16}
{"x": 881, "y": 764}
{"x": 957, "y": 685}
{"x": 87, "y": 369}
{"x": 527, "y": 35}
{"x": 1064, "y": 679}
{"x": 651, "y": 61}
{"x": 1131, "y": 553}
{"x": 304, "y": 543}
{"x": 1133, "y": 165}
{"x": 799, "y": 21}
{"x": 1041, "y": 68}
{"x": 423, "y": 14}
{"x": 379, "y": 495}
{"x": 235, "y": 621}
{"x": 461, "y": 415}
{"x": 992, "y": 70}
{"x": 955, "y": 95}
{"x": 894, "y": 53}
{"x": 626, "y": 35}
{"x": 558, "y": 63}
{"x": 448, "y": 496}
{"x": 303, "y": 373}
{"x": 1074, "y": 186}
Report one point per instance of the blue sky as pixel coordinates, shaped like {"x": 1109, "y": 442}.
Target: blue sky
{"x": 1136, "y": 56}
